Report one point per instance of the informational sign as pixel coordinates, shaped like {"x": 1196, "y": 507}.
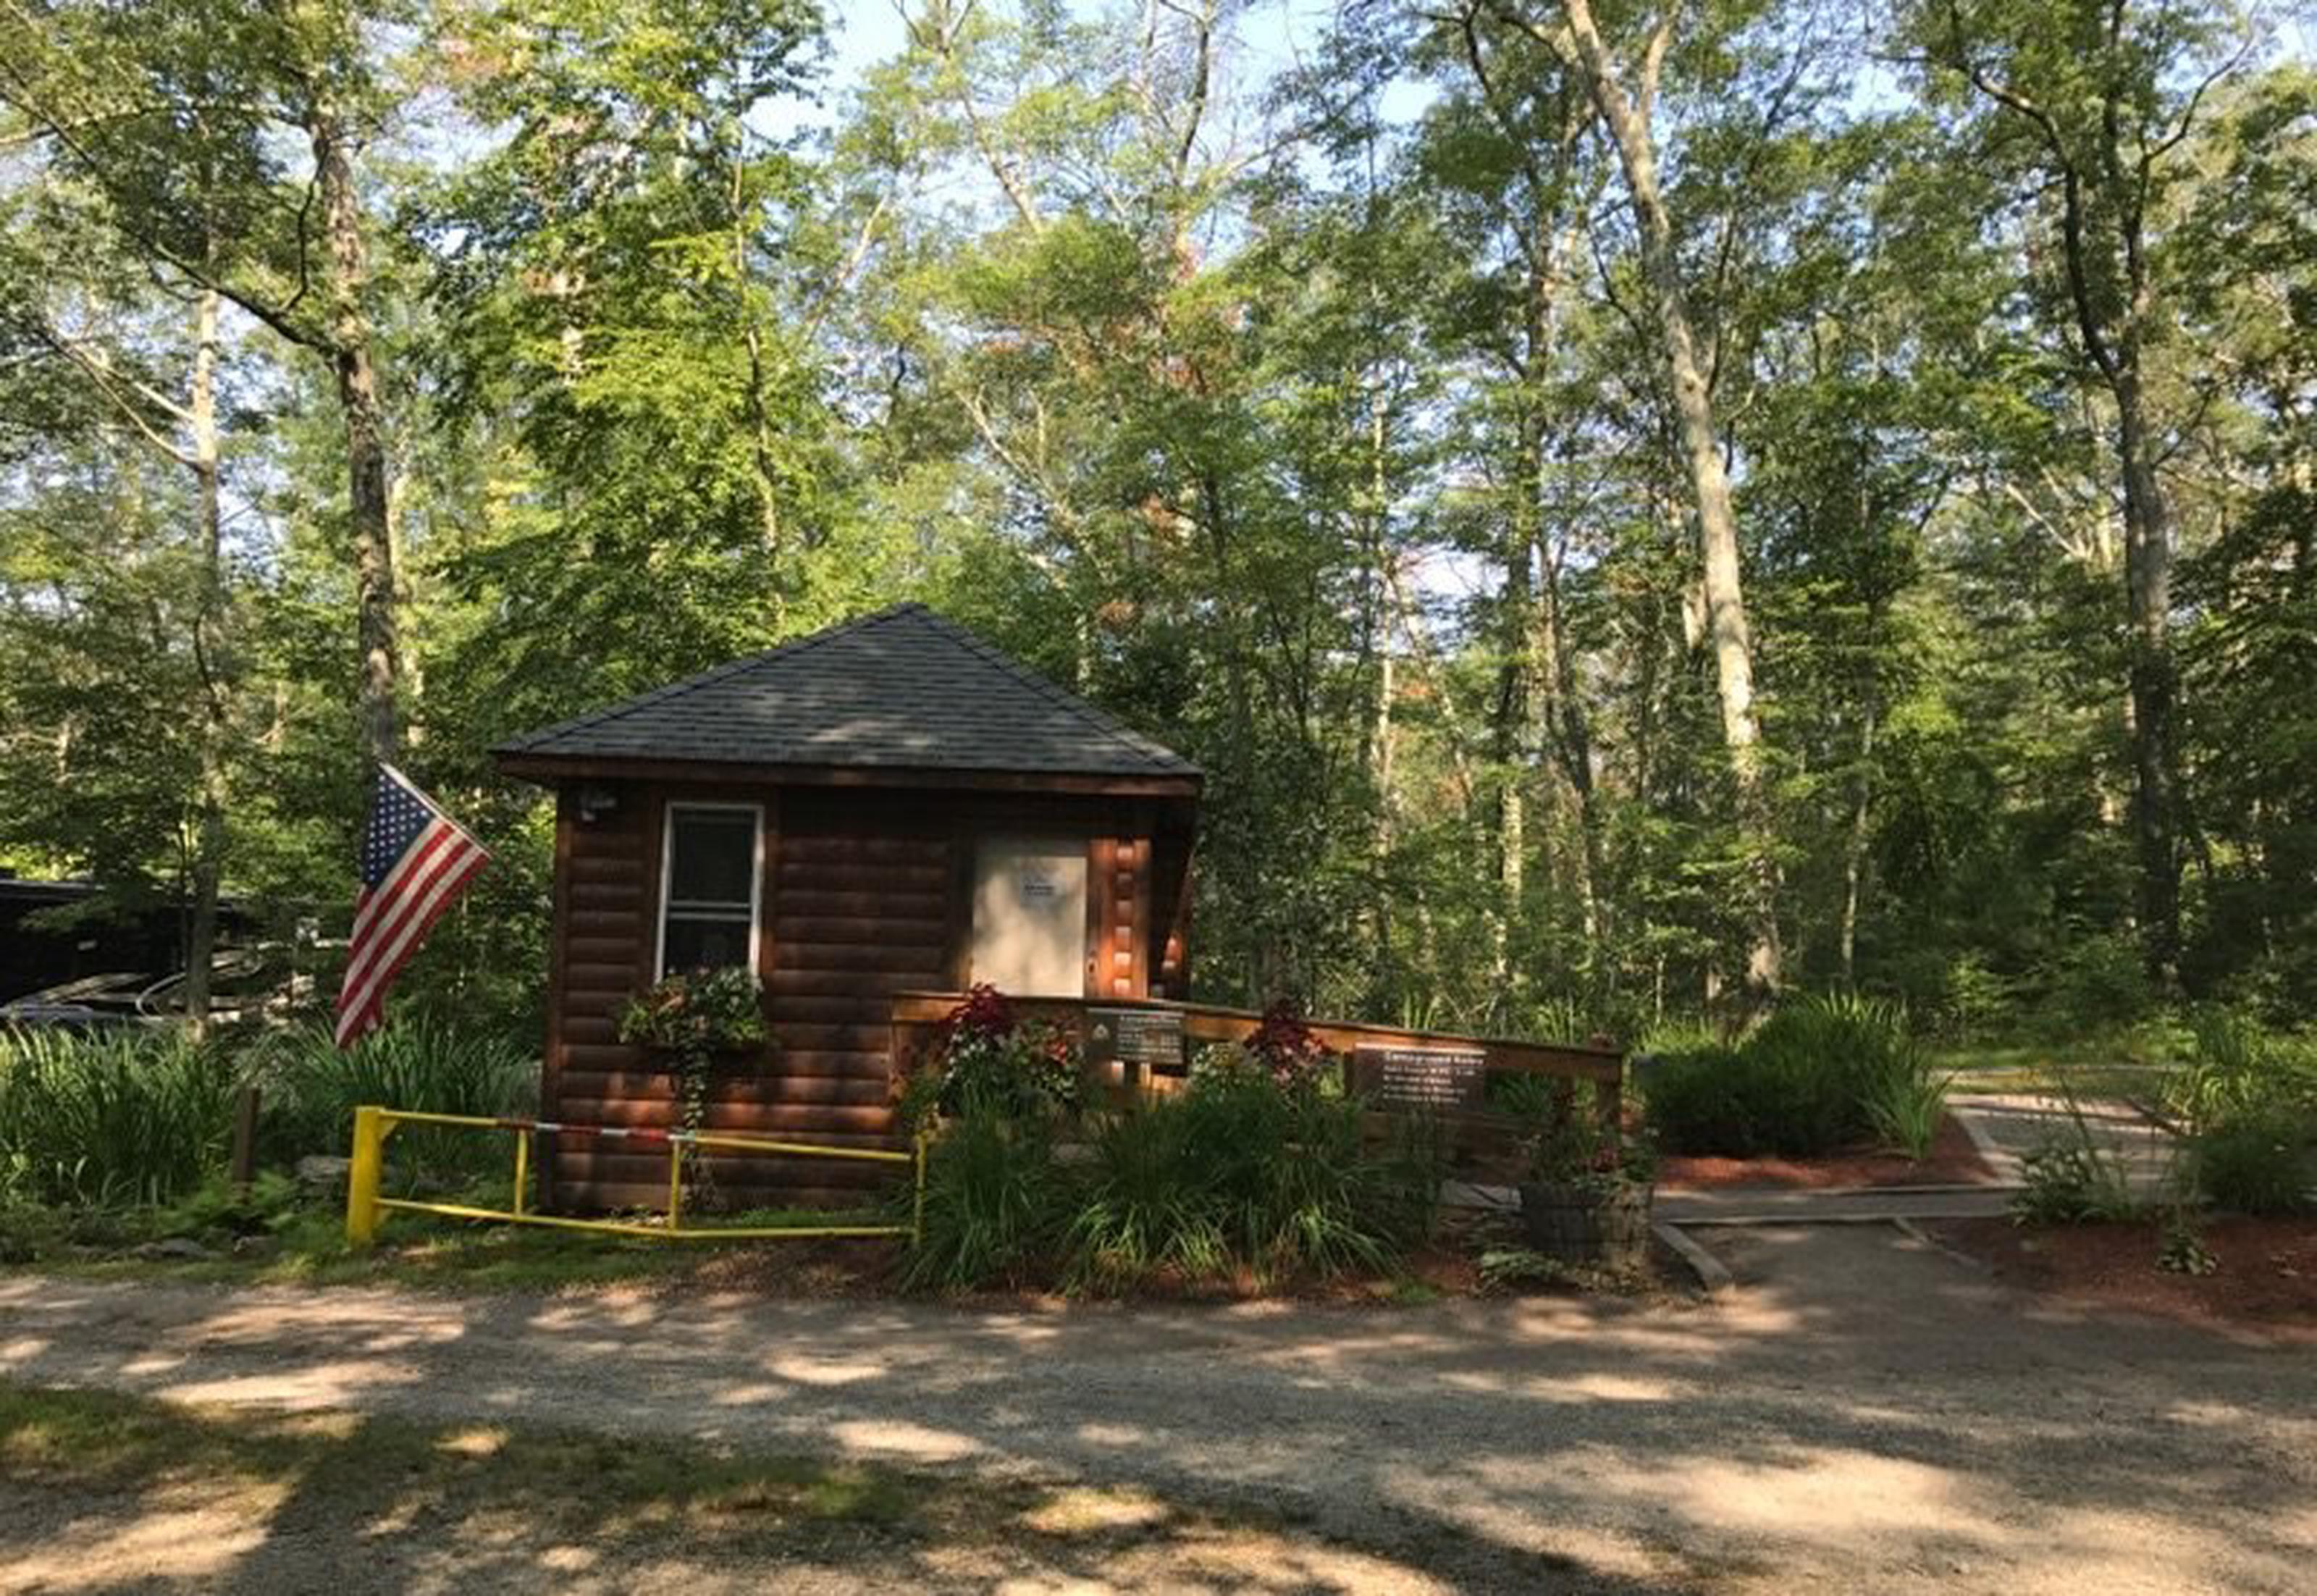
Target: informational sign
{"x": 1148, "y": 1037}
{"x": 1421, "y": 1077}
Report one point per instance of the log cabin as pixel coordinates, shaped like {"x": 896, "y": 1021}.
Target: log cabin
{"x": 887, "y": 806}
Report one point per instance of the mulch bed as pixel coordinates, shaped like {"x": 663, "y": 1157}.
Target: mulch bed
{"x": 2266, "y": 1281}
{"x": 1954, "y": 1161}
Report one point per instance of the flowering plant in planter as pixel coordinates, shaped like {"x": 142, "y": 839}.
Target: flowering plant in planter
{"x": 702, "y": 1012}
{"x": 1576, "y": 1153}
{"x": 987, "y": 1056}
{"x": 1282, "y": 1043}
{"x": 694, "y": 1019}
{"x": 1588, "y": 1198}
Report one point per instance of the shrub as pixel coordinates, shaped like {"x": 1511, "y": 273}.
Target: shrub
{"x": 1244, "y": 1169}
{"x": 1699, "y": 1100}
{"x": 109, "y": 1119}
{"x": 2069, "y": 1180}
{"x": 1141, "y": 1211}
{"x": 994, "y": 1203}
{"x": 427, "y": 1065}
{"x": 1808, "y": 1080}
{"x": 2236, "y": 1066}
{"x": 2259, "y": 1160}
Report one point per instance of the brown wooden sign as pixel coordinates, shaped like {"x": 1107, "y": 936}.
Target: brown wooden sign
{"x": 1407, "y": 1077}
{"x": 1148, "y": 1037}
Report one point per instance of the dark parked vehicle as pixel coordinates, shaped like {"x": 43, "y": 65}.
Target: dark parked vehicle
{"x": 244, "y": 983}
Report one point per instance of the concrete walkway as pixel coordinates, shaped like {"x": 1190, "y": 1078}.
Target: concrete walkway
{"x": 2007, "y": 1127}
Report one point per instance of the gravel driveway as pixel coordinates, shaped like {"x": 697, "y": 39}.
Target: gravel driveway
{"x": 1864, "y": 1413}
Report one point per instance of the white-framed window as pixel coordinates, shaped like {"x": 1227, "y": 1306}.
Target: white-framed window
{"x": 712, "y": 883}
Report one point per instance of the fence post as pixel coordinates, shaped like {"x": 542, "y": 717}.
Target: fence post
{"x": 364, "y": 1173}
{"x": 917, "y": 1207}
{"x": 244, "y": 1140}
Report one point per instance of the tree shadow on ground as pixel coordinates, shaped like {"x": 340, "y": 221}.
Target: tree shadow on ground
{"x": 1864, "y": 1411}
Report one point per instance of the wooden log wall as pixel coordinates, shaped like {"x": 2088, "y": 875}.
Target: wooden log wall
{"x": 866, "y": 895}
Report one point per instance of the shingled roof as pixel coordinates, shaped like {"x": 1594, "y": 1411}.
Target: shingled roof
{"x": 902, "y": 690}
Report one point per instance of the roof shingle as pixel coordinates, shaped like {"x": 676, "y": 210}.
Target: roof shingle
{"x": 904, "y": 688}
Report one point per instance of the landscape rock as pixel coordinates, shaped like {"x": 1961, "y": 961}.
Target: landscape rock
{"x": 174, "y": 1248}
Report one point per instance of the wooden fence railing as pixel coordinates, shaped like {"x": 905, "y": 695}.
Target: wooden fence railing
{"x": 916, "y": 1018}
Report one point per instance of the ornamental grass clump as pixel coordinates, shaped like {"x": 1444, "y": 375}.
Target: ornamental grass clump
{"x": 1248, "y": 1170}
{"x": 1822, "y": 1074}
{"x": 2249, "y": 1096}
{"x": 422, "y": 1063}
{"x": 138, "y": 1117}
{"x": 995, "y": 1204}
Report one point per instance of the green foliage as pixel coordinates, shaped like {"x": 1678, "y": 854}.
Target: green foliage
{"x": 2071, "y": 1181}
{"x": 1906, "y": 1108}
{"x": 697, "y": 1011}
{"x": 312, "y": 1088}
{"x": 1821, "y": 1073}
{"x": 2180, "y": 1251}
{"x": 2259, "y": 1160}
{"x": 1578, "y": 1149}
{"x": 993, "y": 1204}
{"x": 2237, "y": 1066}
{"x": 1326, "y": 467}
{"x": 1140, "y": 1210}
{"x": 110, "y": 1119}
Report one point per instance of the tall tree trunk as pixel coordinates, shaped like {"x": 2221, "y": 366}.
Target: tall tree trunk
{"x": 208, "y": 842}
{"x": 1627, "y": 122}
{"x": 2153, "y": 678}
{"x": 358, "y": 403}
{"x": 1854, "y": 856}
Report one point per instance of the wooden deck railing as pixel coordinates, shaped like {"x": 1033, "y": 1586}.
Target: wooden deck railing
{"x": 917, "y": 1016}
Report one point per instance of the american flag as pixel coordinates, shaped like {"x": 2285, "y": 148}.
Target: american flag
{"x": 415, "y": 860}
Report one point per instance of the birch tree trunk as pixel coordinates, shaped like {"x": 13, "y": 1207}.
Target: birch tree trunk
{"x": 209, "y": 843}
{"x": 1626, "y": 117}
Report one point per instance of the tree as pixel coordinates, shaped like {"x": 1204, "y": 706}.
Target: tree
{"x": 2094, "y": 105}
{"x": 181, "y": 116}
{"x": 1625, "y": 110}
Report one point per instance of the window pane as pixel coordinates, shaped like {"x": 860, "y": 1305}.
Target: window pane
{"x": 704, "y": 945}
{"x": 715, "y": 854}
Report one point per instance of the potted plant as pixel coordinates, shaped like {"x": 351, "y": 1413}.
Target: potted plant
{"x": 697, "y": 1021}
{"x": 1589, "y": 1197}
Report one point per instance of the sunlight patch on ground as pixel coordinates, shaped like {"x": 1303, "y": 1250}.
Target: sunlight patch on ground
{"x": 1083, "y": 1511}
{"x": 472, "y": 1443}
{"x": 824, "y": 1371}
{"x": 198, "y": 1544}
{"x": 746, "y": 1396}
{"x": 896, "y": 1438}
{"x": 314, "y": 1385}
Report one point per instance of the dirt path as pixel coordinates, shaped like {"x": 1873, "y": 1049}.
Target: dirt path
{"x": 1863, "y": 1414}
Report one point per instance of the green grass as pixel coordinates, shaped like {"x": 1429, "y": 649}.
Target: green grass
{"x": 307, "y": 1246}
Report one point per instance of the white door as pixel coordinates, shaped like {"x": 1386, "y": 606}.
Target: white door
{"x": 1030, "y": 915}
